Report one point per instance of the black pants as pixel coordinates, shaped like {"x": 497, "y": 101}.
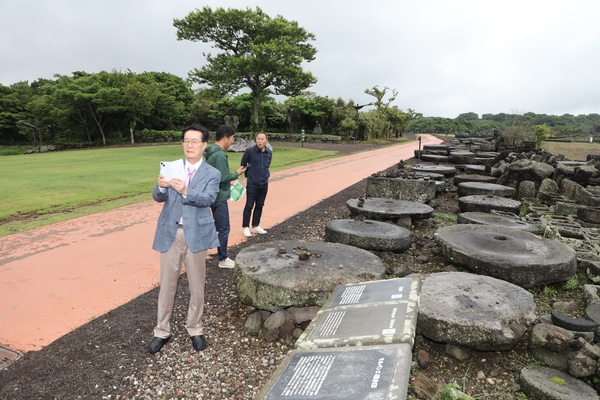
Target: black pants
{"x": 255, "y": 198}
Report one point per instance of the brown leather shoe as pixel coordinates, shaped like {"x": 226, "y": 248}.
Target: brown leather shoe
{"x": 156, "y": 344}
{"x": 198, "y": 342}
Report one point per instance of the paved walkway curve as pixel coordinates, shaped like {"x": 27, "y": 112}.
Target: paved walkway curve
{"x": 56, "y": 278}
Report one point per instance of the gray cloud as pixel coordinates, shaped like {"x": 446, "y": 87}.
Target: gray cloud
{"x": 443, "y": 57}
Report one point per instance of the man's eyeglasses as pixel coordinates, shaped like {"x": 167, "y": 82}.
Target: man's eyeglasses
{"x": 195, "y": 142}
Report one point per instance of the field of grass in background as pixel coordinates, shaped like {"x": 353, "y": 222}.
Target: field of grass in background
{"x": 42, "y": 189}
{"x": 577, "y": 151}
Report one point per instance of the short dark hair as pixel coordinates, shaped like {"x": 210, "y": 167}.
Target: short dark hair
{"x": 196, "y": 127}
{"x": 224, "y": 131}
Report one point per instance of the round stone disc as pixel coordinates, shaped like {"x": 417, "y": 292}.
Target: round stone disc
{"x": 474, "y": 178}
{"x": 475, "y": 311}
{"x": 513, "y": 255}
{"x": 496, "y": 220}
{"x": 434, "y": 158}
{"x": 379, "y": 208}
{"x": 482, "y": 188}
{"x": 438, "y": 169}
{"x": 272, "y": 276}
{"x": 487, "y": 203}
{"x": 369, "y": 235}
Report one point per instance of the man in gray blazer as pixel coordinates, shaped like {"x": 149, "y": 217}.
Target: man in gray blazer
{"x": 185, "y": 231}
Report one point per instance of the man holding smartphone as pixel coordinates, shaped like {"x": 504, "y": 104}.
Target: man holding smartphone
{"x": 184, "y": 233}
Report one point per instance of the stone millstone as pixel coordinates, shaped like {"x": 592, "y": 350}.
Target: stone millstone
{"x": 271, "y": 276}
{"x": 442, "y": 149}
{"x": 496, "y": 220}
{"x": 461, "y": 157}
{"x": 512, "y": 255}
{"x": 420, "y": 190}
{"x": 433, "y": 158}
{"x": 368, "y": 235}
{"x": 430, "y": 175}
{"x": 474, "y": 311}
{"x": 482, "y": 188}
{"x": 378, "y": 208}
{"x": 572, "y": 323}
{"x": 485, "y": 203}
{"x": 438, "y": 169}
{"x": 474, "y": 178}
{"x": 541, "y": 383}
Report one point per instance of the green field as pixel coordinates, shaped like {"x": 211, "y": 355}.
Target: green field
{"x": 41, "y": 189}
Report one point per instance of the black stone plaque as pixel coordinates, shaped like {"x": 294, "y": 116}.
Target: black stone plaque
{"x": 375, "y": 320}
{"x": 372, "y": 292}
{"x": 337, "y": 374}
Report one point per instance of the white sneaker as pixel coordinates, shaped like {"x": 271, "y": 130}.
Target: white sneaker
{"x": 247, "y": 232}
{"x": 259, "y": 230}
{"x": 227, "y": 263}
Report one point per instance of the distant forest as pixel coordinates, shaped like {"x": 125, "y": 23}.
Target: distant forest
{"x": 121, "y": 107}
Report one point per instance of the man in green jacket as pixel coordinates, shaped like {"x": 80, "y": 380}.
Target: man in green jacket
{"x": 215, "y": 155}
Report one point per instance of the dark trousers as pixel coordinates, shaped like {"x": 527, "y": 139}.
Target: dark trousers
{"x": 220, "y": 211}
{"x": 255, "y": 198}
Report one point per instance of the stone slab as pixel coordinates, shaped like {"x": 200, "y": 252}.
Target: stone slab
{"x": 540, "y": 383}
{"x": 487, "y": 203}
{"x": 369, "y": 373}
{"x": 271, "y": 276}
{"x": 438, "y": 169}
{"x": 478, "y": 312}
{"x": 368, "y": 234}
{"x": 473, "y": 168}
{"x": 419, "y": 190}
{"x": 378, "y": 208}
{"x": 429, "y": 175}
{"x": 496, "y": 220}
{"x": 399, "y": 289}
{"x": 483, "y": 188}
{"x": 474, "y": 178}
{"x": 514, "y": 255}
{"x": 434, "y": 158}
{"x": 374, "y": 313}
{"x": 572, "y": 323}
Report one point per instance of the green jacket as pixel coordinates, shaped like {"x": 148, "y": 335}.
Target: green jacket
{"x": 215, "y": 156}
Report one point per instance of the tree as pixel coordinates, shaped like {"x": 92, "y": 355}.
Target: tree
{"x": 541, "y": 133}
{"x": 260, "y": 53}
{"x": 386, "y": 120}
{"x": 141, "y": 100}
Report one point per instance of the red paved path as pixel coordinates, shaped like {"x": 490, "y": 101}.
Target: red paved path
{"x": 56, "y": 278}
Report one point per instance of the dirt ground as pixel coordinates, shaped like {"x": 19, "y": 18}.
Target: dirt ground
{"x": 95, "y": 360}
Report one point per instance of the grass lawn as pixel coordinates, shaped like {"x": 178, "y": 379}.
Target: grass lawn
{"x": 572, "y": 150}
{"x": 42, "y": 189}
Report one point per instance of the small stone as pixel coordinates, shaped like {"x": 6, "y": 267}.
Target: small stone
{"x": 458, "y": 352}
{"x": 423, "y": 359}
{"x": 480, "y": 376}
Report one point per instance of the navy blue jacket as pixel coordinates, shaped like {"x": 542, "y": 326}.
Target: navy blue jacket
{"x": 258, "y": 162}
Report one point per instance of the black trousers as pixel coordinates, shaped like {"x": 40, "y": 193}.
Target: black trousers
{"x": 255, "y": 199}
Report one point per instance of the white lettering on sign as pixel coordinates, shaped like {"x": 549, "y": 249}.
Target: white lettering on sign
{"x": 351, "y": 294}
{"x": 377, "y": 376}
{"x": 398, "y": 295}
{"x": 393, "y": 318}
{"x": 309, "y": 374}
{"x": 332, "y": 323}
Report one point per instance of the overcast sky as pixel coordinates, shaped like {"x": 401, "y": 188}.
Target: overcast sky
{"x": 445, "y": 57}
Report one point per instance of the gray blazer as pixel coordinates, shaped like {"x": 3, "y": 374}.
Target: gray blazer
{"x": 198, "y": 223}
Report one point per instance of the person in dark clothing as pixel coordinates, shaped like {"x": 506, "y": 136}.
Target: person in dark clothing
{"x": 257, "y": 160}
{"x": 215, "y": 155}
